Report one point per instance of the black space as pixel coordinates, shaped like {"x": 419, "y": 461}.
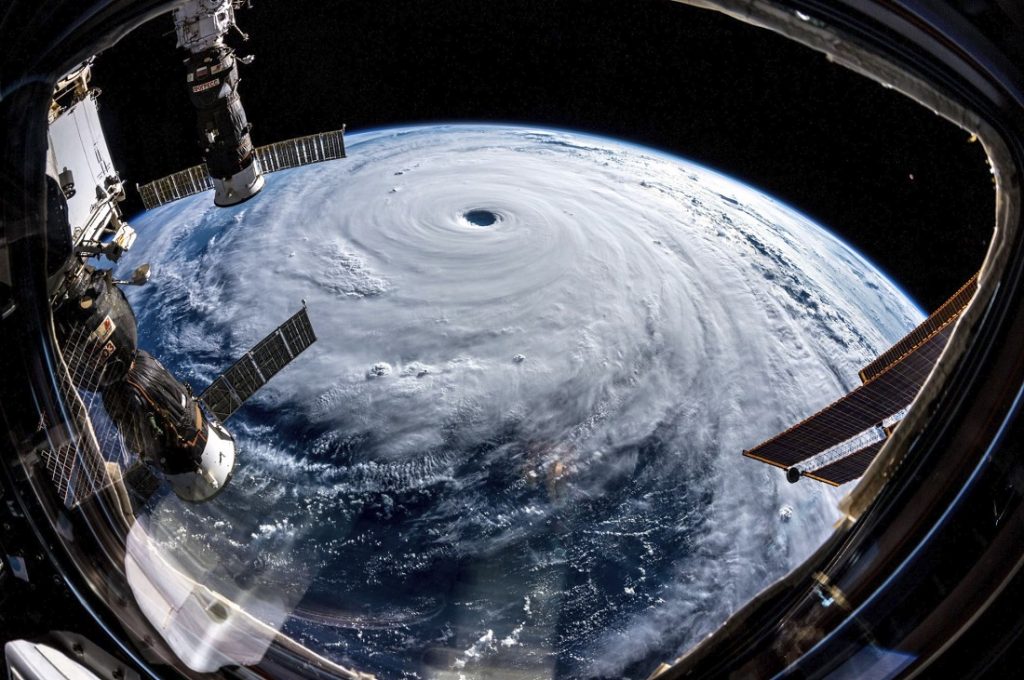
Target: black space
{"x": 739, "y": 99}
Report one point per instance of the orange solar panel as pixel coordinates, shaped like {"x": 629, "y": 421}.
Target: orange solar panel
{"x": 848, "y": 468}
{"x": 885, "y": 394}
{"x": 948, "y": 311}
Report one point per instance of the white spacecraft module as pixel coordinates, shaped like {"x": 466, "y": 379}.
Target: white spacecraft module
{"x": 35, "y": 661}
{"x": 78, "y": 160}
{"x": 213, "y": 89}
{"x": 161, "y": 421}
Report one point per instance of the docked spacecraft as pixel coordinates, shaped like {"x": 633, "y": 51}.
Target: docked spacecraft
{"x": 157, "y": 416}
{"x": 213, "y": 90}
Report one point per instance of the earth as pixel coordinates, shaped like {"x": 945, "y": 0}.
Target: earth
{"x": 516, "y": 445}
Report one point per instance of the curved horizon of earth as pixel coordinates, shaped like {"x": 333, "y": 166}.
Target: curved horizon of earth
{"x": 516, "y": 443}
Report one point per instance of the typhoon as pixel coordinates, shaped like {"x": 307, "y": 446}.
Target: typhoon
{"x": 516, "y": 445}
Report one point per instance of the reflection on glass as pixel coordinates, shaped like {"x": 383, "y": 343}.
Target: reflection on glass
{"x": 515, "y": 447}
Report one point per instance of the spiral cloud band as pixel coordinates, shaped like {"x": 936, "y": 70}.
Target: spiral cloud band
{"x": 516, "y": 443}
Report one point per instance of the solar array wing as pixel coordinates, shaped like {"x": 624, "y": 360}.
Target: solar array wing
{"x": 848, "y": 468}
{"x": 292, "y": 153}
{"x": 885, "y": 394}
{"x": 890, "y": 383}
{"x": 231, "y": 389}
{"x": 289, "y": 153}
{"x": 948, "y": 311}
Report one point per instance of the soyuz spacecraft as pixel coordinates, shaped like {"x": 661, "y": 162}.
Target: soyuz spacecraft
{"x": 158, "y": 418}
{"x": 213, "y": 90}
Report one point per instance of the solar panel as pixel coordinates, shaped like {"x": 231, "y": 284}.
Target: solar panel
{"x": 251, "y": 372}
{"x": 949, "y": 310}
{"x": 848, "y": 468}
{"x": 220, "y": 399}
{"x": 72, "y": 455}
{"x": 888, "y": 392}
{"x": 289, "y": 153}
{"x": 244, "y": 377}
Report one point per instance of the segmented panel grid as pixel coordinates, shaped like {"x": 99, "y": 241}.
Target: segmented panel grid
{"x": 289, "y": 153}
{"x": 848, "y": 468}
{"x": 75, "y": 462}
{"x": 229, "y": 391}
{"x": 864, "y": 407}
{"x": 947, "y": 312}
